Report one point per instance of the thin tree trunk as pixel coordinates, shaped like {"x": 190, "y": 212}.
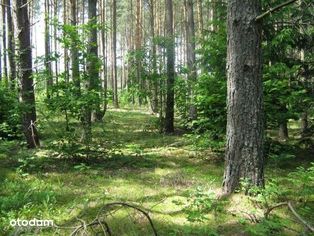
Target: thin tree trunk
{"x": 200, "y": 17}
{"x": 74, "y": 50}
{"x": 154, "y": 57}
{"x": 283, "y": 130}
{"x": 114, "y": 54}
{"x": 49, "y": 80}
{"x": 244, "y": 148}
{"x": 138, "y": 44}
{"x": 55, "y": 35}
{"x": 169, "y": 122}
{"x": 66, "y": 54}
{"x": 304, "y": 123}
{"x": 27, "y": 96}
{"x": 4, "y": 41}
{"x": 104, "y": 53}
{"x": 11, "y": 46}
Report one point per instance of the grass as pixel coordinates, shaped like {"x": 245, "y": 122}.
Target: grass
{"x": 130, "y": 162}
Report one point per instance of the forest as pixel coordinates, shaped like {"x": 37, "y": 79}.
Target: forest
{"x": 157, "y": 117}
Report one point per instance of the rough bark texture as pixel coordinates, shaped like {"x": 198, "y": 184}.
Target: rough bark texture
{"x": 11, "y": 45}
{"x": 190, "y": 56}
{"x": 93, "y": 63}
{"x": 27, "y": 97}
{"x": 169, "y": 120}
{"x": 244, "y": 148}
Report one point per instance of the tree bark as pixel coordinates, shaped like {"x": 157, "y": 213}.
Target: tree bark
{"x": 49, "y": 80}
{"x": 4, "y": 43}
{"x": 104, "y": 54}
{"x": 27, "y": 96}
{"x": 283, "y": 131}
{"x": 114, "y": 54}
{"x": 66, "y": 54}
{"x": 169, "y": 120}
{"x": 74, "y": 50}
{"x": 11, "y": 46}
{"x": 154, "y": 57}
{"x": 190, "y": 56}
{"x": 244, "y": 148}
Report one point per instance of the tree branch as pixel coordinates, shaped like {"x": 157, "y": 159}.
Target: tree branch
{"x": 276, "y": 8}
{"x": 301, "y": 220}
{"x": 311, "y": 228}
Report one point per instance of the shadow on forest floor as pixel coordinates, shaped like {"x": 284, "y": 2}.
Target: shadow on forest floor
{"x": 129, "y": 161}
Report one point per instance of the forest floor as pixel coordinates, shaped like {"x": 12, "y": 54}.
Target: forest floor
{"x": 129, "y": 161}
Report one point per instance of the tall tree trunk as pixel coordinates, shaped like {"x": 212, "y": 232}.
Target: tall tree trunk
{"x": 66, "y": 55}
{"x": 154, "y": 57}
{"x": 74, "y": 50}
{"x": 49, "y": 81}
{"x": 11, "y": 46}
{"x": 4, "y": 41}
{"x": 104, "y": 54}
{"x": 114, "y": 54}
{"x": 27, "y": 96}
{"x": 138, "y": 44}
{"x": 55, "y": 36}
{"x": 169, "y": 121}
{"x": 244, "y": 148}
{"x": 190, "y": 55}
{"x": 200, "y": 17}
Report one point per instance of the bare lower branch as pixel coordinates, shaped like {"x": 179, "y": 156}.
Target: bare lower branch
{"x": 276, "y": 8}
{"x": 310, "y": 227}
{"x": 289, "y": 204}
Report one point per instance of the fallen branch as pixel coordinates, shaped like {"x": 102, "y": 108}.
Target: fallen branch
{"x": 299, "y": 217}
{"x": 100, "y": 220}
{"x": 276, "y": 8}
{"x": 133, "y": 207}
{"x": 290, "y": 207}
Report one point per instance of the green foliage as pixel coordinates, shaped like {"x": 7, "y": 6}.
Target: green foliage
{"x": 303, "y": 181}
{"x": 9, "y": 114}
{"x": 200, "y": 203}
{"x": 272, "y": 226}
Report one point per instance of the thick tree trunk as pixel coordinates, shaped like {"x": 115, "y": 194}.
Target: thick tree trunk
{"x": 190, "y": 56}
{"x": 169, "y": 120}
{"x": 11, "y": 46}
{"x": 27, "y": 96}
{"x": 244, "y": 148}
